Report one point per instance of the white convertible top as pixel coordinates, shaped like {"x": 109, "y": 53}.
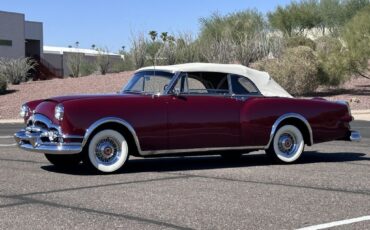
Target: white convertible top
{"x": 263, "y": 81}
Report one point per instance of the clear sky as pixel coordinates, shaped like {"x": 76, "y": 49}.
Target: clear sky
{"x": 109, "y": 23}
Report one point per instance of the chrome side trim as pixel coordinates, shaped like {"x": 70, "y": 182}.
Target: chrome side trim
{"x": 286, "y": 116}
{"x": 105, "y": 120}
{"x": 156, "y": 152}
{"x": 175, "y": 151}
{"x": 72, "y": 137}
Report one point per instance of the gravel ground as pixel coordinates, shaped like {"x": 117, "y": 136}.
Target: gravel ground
{"x": 357, "y": 91}
{"x": 19, "y": 94}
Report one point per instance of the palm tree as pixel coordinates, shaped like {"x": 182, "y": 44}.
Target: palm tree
{"x": 164, "y": 36}
{"x": 93, "y": 46}
{"x": 153, "y": 35}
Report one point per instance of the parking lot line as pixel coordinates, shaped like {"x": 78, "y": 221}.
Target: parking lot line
{"x": 8, "y": 145}
{"x": 6, "y": 137}
{"x": 336, "y": 223}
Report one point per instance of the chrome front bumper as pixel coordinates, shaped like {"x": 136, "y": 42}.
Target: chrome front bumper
{"x": 355, "y": 136}
{"x": 33, "y": 142}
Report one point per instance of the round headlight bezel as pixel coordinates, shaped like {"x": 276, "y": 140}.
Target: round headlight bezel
{"x": 25, "y": 111}
{"x": 59, "y": 112}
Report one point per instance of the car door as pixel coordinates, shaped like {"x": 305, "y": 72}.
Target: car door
{"x": 202, "y": 113}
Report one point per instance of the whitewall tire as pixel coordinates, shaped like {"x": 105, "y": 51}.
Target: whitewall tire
{"x": 287, "y": 145}
{"x": 107, "y": 151}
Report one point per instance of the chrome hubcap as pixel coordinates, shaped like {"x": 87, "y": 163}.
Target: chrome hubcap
{"x": 287, "y": 143}
{"x": 107, "y": 150}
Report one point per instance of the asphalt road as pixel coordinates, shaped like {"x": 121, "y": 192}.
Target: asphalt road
{"x": 330, "y": 183}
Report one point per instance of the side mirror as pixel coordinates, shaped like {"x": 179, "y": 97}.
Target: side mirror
{"x": 176, "y": 92}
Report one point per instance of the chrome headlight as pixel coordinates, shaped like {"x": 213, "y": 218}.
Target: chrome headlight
{"x": 25, "y": 111}
{"x": 59, "y": 112}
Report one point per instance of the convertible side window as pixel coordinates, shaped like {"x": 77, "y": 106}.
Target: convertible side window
{"x": 243, "y": 86}
{"x": 203, "y": 83}
{"x": 149, "y": 82}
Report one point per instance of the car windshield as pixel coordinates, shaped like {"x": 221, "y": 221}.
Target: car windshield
{"x": 148, "y": 82}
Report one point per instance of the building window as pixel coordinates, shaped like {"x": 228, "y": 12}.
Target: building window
{"x": 6, "y": 42}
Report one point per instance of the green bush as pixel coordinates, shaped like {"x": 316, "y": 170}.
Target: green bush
{"x": 3, "y": 85}
{"x": 333, "y": 69}
{"x": 356, "y": 36}
{"x": 16, "y": 70}
{"x": 300, "y": 41}
{"x": 296, "y": 71}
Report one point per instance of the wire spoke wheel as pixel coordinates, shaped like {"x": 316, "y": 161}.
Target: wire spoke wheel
{"x": 287, "y": 145}
{"x": 107, "y": 151}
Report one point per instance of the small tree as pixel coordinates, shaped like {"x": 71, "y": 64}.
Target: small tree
{"x": 103, "y": 61}
{"x": 74, "y": 63}
{"x": 239, "y": 37}
{"x": 333, "y": 69}
{"x": 187, "y": 48}
{"x": 282, "y": 19}
{"x": 356, "y": 35}
{"x": 138, "y": 51}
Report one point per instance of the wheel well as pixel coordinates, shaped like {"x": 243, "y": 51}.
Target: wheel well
{"x": 133, "y": 148}
{"x": 301, "y": 125}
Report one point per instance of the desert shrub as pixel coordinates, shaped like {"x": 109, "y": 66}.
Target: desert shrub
{"x": 74, "y": 63}
{"x": 103, "y": 60}
{"x": 117, "y": 67}
{"x": 17, "y": 70}
{"x": 125, "y": 65}
{"x": 3, "y": 85}
{"x": 240, "y": 37}
{"x": 87, "y": 68}
{"x": 138, "y": 51}
{"x": 186, "y": 48}
{"x": 300, "y": 41}
{"x": 331, "y": 55}
{"x": 296, "y": 71}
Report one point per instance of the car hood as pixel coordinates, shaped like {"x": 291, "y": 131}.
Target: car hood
{"x": 61, "y": 99}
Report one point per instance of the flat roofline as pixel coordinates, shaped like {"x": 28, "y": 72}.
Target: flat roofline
{"x": 8, "y": 12}
{"x": 36, "y": 22}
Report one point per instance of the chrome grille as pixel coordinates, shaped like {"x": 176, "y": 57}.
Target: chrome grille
{"x": 43, "y": 126}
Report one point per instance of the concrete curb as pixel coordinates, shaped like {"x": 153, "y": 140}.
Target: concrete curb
{"x": 11, "y": 121}
{"x": 367, "y": 111}
{"x": 363, "y": 115}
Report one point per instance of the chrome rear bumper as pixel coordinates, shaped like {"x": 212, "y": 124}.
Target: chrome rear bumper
{"x": 355, "y": 136}
{"x": 33, "y": 142}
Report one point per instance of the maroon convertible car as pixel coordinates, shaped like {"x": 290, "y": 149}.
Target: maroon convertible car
{"x": 181, "y": 109}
